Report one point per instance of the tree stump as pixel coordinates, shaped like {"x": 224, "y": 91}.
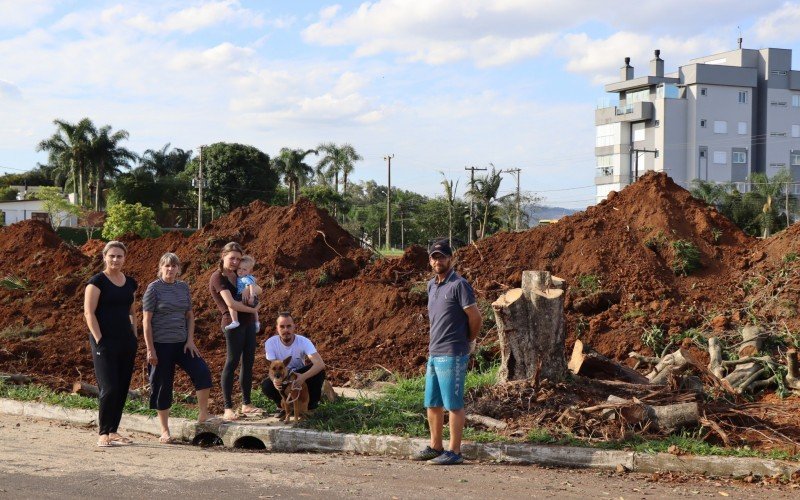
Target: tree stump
{"x": 530, "y": 324}
{"x": 752, "y": 340}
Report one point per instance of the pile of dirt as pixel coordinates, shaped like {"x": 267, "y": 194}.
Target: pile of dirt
{"x": 306, "y": 264}
{"x": 622, "y": 252}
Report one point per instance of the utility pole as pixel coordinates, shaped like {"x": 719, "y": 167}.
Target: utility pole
{"x": 388, "y": 159}
{"x": 471, "y": 200}
{"x": 636, "y": 161}
{"x": 516, "y": 171}
{"x": 200, "y": 193}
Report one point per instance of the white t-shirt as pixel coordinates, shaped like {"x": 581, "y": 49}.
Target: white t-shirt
{"x": 276, "y": 350}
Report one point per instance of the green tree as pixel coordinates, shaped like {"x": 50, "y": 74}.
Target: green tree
{"x": 8, "y": 194}
{"x": 324, "y": 197}
{"x": 709, "y": 192}
{"x": 237, "y": 174}
{"x": 107, "y": 156}
{"x": 69, "y": 151}
{"x": 126, "y": 218}
{"x": 485, "y": 192}
{"x": 450, "y": 189}
{"x": 290, "y": 163}
{"x": 336, "y": 160}
{"x": 58, "y": 208}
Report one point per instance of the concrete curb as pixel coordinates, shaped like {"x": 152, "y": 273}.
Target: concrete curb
{"x": 280, "y": 438}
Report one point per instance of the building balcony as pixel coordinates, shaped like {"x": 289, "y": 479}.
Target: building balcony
{"x": 611, "y": 179}
{"x": 634, "y": 112}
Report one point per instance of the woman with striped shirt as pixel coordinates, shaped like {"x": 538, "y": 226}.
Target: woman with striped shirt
{"x": 169, "y": 336}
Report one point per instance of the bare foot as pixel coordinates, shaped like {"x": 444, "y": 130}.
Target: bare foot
{"x": 119, "y": 440}
{"x": 166, "y": 438}
{"x": 229, "y": 415}
{"x": 104, "y": 441}
{"x": 250, "y": 409}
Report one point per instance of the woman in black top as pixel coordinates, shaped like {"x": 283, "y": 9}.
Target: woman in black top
{"x": 108, "y": 309}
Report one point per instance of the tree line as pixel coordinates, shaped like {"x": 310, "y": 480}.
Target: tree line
{"x": 93, "y": 164}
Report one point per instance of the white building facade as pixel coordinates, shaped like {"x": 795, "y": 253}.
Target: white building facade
{"x": 718, "y": 118}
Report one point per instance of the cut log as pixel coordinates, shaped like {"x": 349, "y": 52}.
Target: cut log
{"x": 485, "y": 421}
{"x": 674, "y": 363}
{"x": 15, "y": 378}
{"x": 93, "y": 391}
{"x": 666, "y": 418}
{"x": 715, "y": 357}
{"x": 792, "y": 378}
{"x": 531, "y": 329}
{"x": 588, "y": 363}
{"x": 746, "y": 373}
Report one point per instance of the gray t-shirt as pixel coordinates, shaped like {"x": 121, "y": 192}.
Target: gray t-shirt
{"x": 169, "y": 303}
{"x": 449, "y": 323}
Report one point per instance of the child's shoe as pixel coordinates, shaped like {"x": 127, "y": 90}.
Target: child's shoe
{"x": 234, "y": 324}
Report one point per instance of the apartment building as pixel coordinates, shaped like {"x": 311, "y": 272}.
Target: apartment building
{"x": 718, "y": 118}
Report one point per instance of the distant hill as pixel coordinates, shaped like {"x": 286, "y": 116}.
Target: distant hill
{"x": 550, "y": 213}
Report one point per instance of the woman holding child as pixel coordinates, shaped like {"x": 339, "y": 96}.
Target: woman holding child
{"x": 168, "y": 325}
{"x": 111, "y": 318}
{"x": 240, "y": 340}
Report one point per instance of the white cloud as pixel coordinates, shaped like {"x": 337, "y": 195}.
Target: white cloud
{"x": 780, "y": 25}
{"x": 9, "y": 91}
{"x": 15, "y": 15}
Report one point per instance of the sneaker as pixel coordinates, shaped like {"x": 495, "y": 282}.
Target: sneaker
{"x": 234, "y": 324}
{"x": 427, "y": 454}
{"x": 447, "y": 458}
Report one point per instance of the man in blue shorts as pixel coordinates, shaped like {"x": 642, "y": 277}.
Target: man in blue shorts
{"x": 455, "y": 323}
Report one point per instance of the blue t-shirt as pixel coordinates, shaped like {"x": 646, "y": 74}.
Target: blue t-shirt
{"x": 447, "y": 300}
{"x": 243, "y": 282}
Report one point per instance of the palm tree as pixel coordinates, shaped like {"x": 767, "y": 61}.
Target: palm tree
{"x": 768, "y": 191}
{"x": 709, "y": 192}
{"x": 69, "y": 148}
{"x": 485, "y": 191}
{"x": 162, "y": 163}
{"x": 107, "y": 156}
{"x": 337, "y": 159}
{"x": 450, "y": 196}
{"x": 295, "y": 171}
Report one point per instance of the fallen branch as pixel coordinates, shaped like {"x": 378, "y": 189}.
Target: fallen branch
{"x": 15, "y": 378}
{"x": 486, "y": 421}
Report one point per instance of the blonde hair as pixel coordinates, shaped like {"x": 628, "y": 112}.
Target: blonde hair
{"x": 228, "y": 248}
{"x": 168, "y": 258}
{"x": 248, "y": 259}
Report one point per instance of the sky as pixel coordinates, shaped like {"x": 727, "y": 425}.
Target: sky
{"x": 439, "y": 84}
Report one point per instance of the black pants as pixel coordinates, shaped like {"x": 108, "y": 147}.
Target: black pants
{"x": 241, "y": 344}
{"x": 162, "y": 376}
{"x": 314, "y": 388}
{"x": 113, "y": 367}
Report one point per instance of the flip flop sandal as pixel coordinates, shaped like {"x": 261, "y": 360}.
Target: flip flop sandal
{"x": 167, "y": 440}
{"x": 105, "y": 444}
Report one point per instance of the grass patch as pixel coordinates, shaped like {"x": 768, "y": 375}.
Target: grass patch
{"x": 21, "y": 332}
{"x": 588, "y": 283}
{"x": 634, "y": 313}
{"x": 12, "y": 282}
{"x": 398, "y": 411}
{"x": 41, "y": 394}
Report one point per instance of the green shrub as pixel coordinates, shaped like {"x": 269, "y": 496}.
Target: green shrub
{"x": 654, "y": 338}
{"x": 687, "y": 257}
{"x": 790, "y": 257}
{"x": 588, "y": 283}
{"x": 124, "y": 218}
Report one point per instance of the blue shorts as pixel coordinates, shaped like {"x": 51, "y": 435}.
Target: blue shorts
{"x": 444, "y": 382}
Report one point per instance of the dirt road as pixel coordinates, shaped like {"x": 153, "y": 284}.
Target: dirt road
{"x": 43, "y": 459}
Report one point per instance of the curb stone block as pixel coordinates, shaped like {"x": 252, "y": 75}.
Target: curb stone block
{"x": 278, "y": 437}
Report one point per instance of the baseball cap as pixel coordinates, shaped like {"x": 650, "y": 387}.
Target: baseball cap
{"x": 442, "y": 247}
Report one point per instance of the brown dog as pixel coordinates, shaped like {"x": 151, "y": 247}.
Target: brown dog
{"x": 283, "y": 380}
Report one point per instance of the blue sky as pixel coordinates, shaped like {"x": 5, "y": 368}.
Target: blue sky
{"x": 441, "y": 84}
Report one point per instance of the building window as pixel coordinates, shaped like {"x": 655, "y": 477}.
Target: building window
{"x": 743, "y": 97}
{"x": 720, "y": 157}
{"x": 638, "y": 96}
{"x": 638, "y": 134}
{"x": 795, "y": 130}
{"x": 607, "y": 135}
{"x": 720, "y": 127}
{"x": 796, "y": 100}
{"x": 739, "y": 157}
{"x": 778, "y": 72}
{"x": 703, "y": 91}
{"x": 795, "y": 158}
{"x": 702, "y": 153}
{"x": 742, "y": 128}
{"x": 703, "y": 123}
{"x": 777, "y": 134}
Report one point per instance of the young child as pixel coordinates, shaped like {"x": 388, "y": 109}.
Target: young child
{"x": 245, "y": 279}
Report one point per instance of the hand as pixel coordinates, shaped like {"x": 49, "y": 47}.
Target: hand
{"x": 472, "y": 345}
{"x": 248, "y": 297}
{"x": 151, "y": 357}
{"x": 298, "y": 382}
{"x": 190, "y": 348}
